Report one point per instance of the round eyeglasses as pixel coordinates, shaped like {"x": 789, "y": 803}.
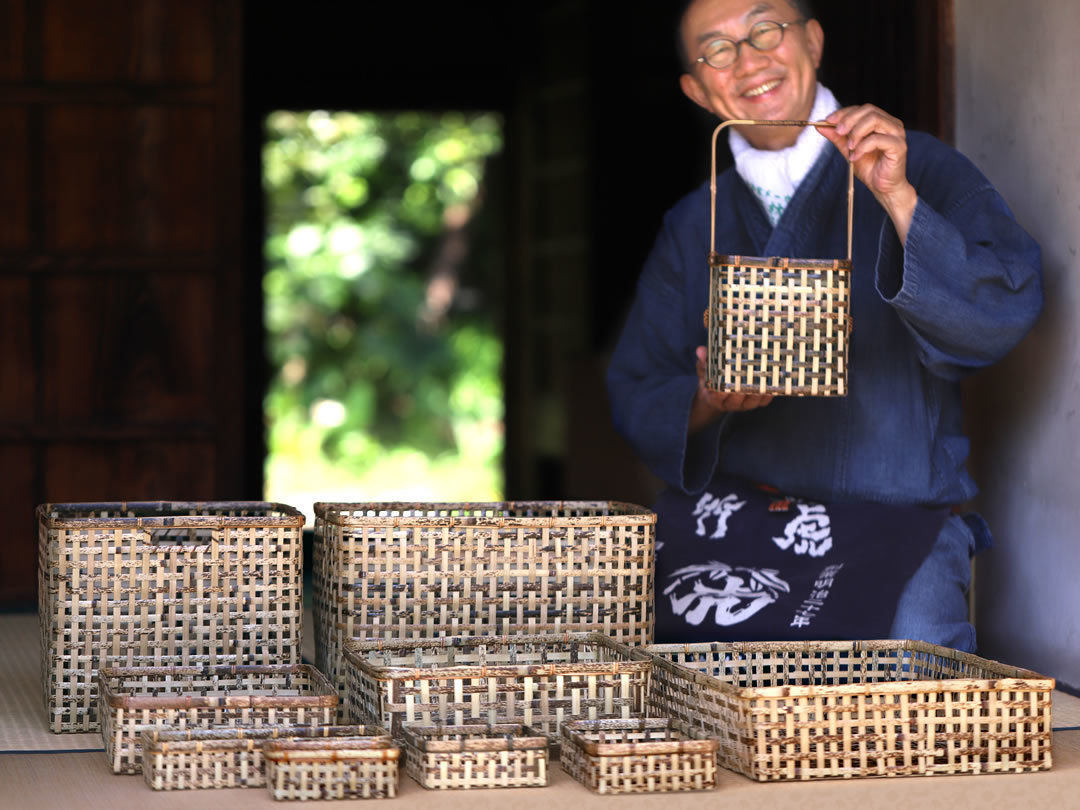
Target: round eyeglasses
{"x": 722, "y": 52}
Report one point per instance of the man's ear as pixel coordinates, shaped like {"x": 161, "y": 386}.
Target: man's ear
{"x": 693, "y": 90}
{"x": 815, "y": 36}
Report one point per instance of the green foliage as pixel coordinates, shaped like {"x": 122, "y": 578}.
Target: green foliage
{"x": 383, "y": 337}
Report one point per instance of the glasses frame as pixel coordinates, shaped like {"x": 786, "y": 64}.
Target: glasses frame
{"x": 738, "y": 43}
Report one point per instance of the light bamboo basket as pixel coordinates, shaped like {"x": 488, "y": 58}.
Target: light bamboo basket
{"x": 506, "y": 755}
{"x": 538, "y": 681}
{"x": 162, "y": 584}
{"x": 225, "y": 758}
{"x": 646, "y": 755}
{"x": 778, "y": 325}
{"x": 332, "y": 769}
{"x": 425, "y": 570}
{"x": 137, "y": 699}
{"x": 810, "y": 710}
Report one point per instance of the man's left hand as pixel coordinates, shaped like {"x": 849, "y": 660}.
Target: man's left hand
{"x": 876, "y": 144}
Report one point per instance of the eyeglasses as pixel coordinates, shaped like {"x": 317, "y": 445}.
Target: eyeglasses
{"x": 722, "y": 52}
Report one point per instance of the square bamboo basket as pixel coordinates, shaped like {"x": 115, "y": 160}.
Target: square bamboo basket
{"x": 809, "y": 710}
{"x": 357, "y": 768}
{"x": 162, "y": 584}
{"x": 646, "y": 755}
{"x": 778, "y": 325}
{"x": 425, "y": 570}
{"x": 475, "y": 756}
{"x": 137, "y": 699}
{"x": 224, "y": 758}
{"x": 539, "y": 681}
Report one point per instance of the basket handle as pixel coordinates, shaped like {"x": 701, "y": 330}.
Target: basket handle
{"x": 783, "y": 123}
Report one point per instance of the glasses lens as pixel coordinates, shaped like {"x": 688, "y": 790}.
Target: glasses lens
{"x": 720, "y": 53}
{"x": 766, "y": 35}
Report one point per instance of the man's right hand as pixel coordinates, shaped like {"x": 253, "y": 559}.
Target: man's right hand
{"x": 709, "y": 404}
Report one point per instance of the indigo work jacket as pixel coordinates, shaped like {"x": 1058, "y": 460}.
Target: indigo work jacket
{"x": 955, "y": 298}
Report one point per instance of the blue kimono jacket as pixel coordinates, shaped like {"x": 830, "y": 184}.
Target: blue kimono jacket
{"x": 956, "y": 297}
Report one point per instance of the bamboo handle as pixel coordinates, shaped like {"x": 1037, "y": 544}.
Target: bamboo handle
{"x": 783, "y": 123}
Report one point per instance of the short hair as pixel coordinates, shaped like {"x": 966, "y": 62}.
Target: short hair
{"x": 804, "y": 8}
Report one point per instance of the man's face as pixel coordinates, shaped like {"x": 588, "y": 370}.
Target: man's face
{"x": 771, "y": 85}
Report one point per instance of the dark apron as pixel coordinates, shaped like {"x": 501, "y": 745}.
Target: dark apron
{"x": 742, "y": 562}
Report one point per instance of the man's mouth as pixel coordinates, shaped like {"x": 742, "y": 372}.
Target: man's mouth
{"x": 762, "y": 88}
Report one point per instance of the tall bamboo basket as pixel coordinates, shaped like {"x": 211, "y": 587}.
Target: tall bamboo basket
{"x": 162, "y": 584}
{"x": 778, "y": 325}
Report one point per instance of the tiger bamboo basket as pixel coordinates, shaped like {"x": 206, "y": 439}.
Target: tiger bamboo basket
{"x": 162, "y": 584}
{"x": 344, "y": 768}
{"x": 134, "y": 700}
{"x": 430, "y": 570}
{"x": 643, "y": 755}
{"x": 538, "y": 681}
{"x": 842, "y": 709}
{"x": 778, "y": 325}
{"x": 450, "y": 757}
{"x": 224, "y": 758}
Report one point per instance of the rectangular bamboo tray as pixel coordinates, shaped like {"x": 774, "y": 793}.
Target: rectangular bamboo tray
{"x": 539, "y": 681}
{"x": 137, "y": 699}
{"x": 809, "y": 710}
{"x": 645, "y": 755}
{"x": 425, "y": 570}
{"x": 332, "y": 769}
{"x": 162, "y": 584}
{"x": 224, "y": 758}
{"x": 504, "y": 755}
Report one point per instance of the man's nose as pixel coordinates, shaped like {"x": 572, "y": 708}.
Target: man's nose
{"x": 749, "y": 60}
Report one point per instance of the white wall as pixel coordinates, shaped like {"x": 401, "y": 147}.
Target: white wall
{"x": 1018, "y": 119}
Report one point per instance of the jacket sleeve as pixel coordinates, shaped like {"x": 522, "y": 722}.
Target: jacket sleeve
{"x": 967, "y": 283}
{"x": 652, "y": 377}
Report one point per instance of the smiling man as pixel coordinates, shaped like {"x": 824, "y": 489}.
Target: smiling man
{"x": 945, "y": 282}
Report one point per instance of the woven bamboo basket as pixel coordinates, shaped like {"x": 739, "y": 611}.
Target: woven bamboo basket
{"x": 224, "y": 758}
{"x": 778, "y": 325}
{"x": 503, "y": 755}
{"x": 332, "y": 769}
{"x": 137, "y": 699}
{"x": 414, "y": 570}
{"x": 162, "y": 584}
{"x": 809, "y": 710}
{"x": 645, "y": 755}
{"x": 538, "y": 681}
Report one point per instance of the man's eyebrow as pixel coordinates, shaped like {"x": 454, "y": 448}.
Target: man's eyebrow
{"x": 760, "y": 8}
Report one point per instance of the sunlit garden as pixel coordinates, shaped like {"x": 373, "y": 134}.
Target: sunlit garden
{"x": 381, "y": 298}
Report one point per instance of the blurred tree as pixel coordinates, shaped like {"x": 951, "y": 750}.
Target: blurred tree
{"x": 380, "y": 309}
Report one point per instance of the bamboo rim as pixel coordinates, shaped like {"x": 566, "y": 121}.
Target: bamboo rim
{"x": 782, "y": 123}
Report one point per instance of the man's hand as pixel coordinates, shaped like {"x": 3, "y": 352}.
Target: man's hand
{"x": 876, "y": 144}
{"x": 708, "y": 404}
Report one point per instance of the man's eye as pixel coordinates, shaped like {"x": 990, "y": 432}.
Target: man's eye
{"x": 720, "y": 47}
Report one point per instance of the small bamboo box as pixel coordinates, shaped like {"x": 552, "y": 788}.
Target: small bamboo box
{"x": 351, "y": 768}
{"x": 476, "y": 756}
{"x": 645, "y": 755}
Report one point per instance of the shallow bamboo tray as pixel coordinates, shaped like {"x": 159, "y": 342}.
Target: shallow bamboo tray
{"x": 810, "y": 710}
{"x": 425, "y": 570}
{"x": 356, "y": 768}
{"x": 137, "y": 699}
{"x": 224, "y": 758}
{"x": 475, "y": 756}
{"x": 538, "y": 681}
{"x": 644, "y": 755}
{"x": 162, "y": 584}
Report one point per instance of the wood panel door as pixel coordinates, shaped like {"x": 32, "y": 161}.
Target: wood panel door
{"x": 124, "y": 326}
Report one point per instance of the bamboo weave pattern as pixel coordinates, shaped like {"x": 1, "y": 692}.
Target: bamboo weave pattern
{"x": 808, "y": 710}
{"x": 137, "y": 699}
{"x": 778, "y": 325}
{"x": 537, "y": 681}
{"x": 475, "y": 756}
{"x": 162, "y": 584}
{"x": 332, "y": 769}
{"x": 646, "y": 755}
{"x": 413, "y": 570}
